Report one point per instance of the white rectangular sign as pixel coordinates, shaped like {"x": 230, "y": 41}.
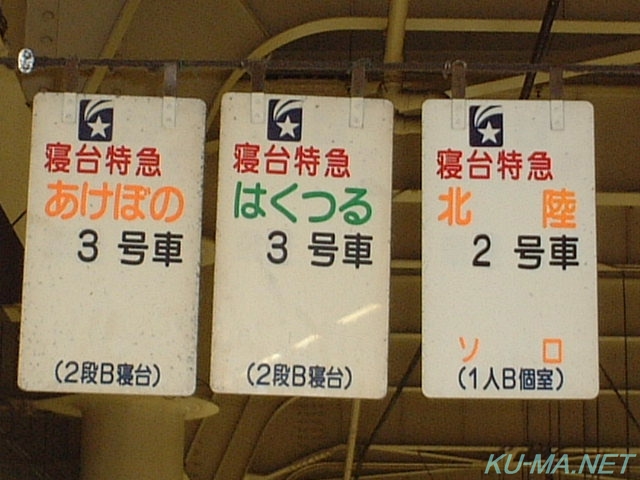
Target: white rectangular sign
{"x": 509, "y": 249}
{"x": 301, "y": 291}
{"x": 112, "y": 255}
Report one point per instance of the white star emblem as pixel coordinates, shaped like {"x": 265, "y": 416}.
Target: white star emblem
{"x": 287, "y": 127}
{"x": 489, "y": 133}
{"x": 98, "y": 127}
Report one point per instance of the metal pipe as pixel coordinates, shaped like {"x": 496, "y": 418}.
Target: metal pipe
{"x": 353, "y": 436}
{"x": 394, "y": 47}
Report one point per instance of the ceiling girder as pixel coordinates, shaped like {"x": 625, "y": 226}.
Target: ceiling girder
{"x": 120, "y": 27}
{"x": 337, "y": 24}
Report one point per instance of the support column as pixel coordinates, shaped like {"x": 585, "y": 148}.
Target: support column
{"x": 131, "y": 437}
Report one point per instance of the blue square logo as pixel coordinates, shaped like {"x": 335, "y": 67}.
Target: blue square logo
{"x": 284, "y": 123}
{"x": 95, "y": 122}
{"x": 486, "y": 126}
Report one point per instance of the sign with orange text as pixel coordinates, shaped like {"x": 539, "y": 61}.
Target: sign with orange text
{"x": 112, "y": 256}
{"x": 509, "y": 250}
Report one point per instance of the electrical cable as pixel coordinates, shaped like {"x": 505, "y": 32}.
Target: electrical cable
{"x": 18, "y": 218}
{"x": 4, "y": 26}
{"x": 291, "y": 66}
{"x": 620, "y": 397}
{"x": 541, "y": 47}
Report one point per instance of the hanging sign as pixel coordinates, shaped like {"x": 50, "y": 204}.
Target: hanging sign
{"x": 112, "y": 255}
{"x": 509, "y": 250}
{"x": 300, "y": 303}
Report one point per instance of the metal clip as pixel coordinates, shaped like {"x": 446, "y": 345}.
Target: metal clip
{"x": 458, "y": 70}
{"x": 458, "y": 78}
{"x": 170, "y": 94}
{"x": 69, "y": 103}
{"x": 258, "y": 72}
{"x": 71, "y": 74}
{"x": 356, "y": 107}
{"x": 556, "y": 103}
